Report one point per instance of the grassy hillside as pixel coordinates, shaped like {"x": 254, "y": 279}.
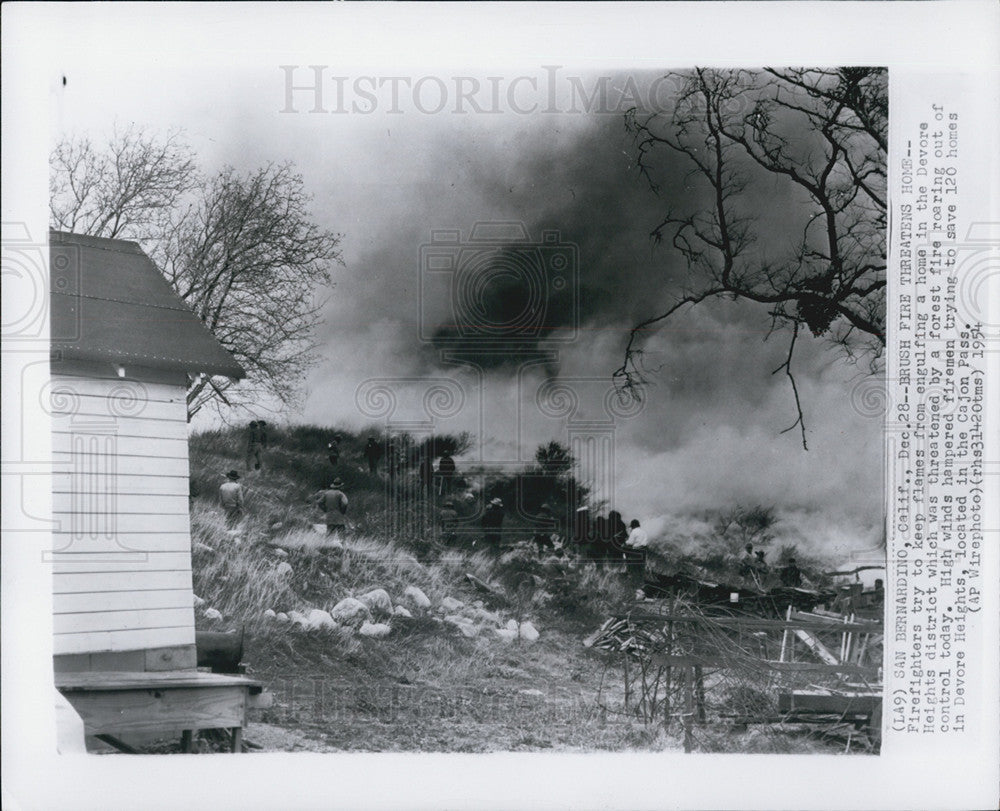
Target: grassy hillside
{"x": 459, "y": 674}
{"x": 434, "y": 682}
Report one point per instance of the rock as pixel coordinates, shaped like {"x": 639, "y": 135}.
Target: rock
{"x": 531, "y": 692}
{"x": 319, "y": 619}
{"x": 511, "y": 625}
{"x": 506, "y": 635}
{"x": 269, "y": 613}
{"x": 281, "y": 616}
{"x": 281, "y": 553}
{"x": 528, "y": 632}
{"x": 284, "y": 569}
{"x": 451, "y": 604}
{"x": 378, "y": 601}
{"x": 298, "y": 618}
{"x": 213, "y": 614}
{"x": 277, "y": 525}
{"x": 374, "y": 629}
{"x": 198, "y": 601}
{"x": 203, "y": 547}
{"x": 417, "y": 597}
{"x": 350, "y": 610}
{"x": 400, "y": 611}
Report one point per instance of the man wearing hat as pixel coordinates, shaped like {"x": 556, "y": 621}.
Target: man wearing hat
{"x": 231, "y": 496}
{"x": 333, "y": 503}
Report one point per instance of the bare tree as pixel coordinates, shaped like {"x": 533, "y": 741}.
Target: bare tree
{"x": 240, "y": 248}
{"x": 823, "y": 133}
{"x": 130, "y": 186}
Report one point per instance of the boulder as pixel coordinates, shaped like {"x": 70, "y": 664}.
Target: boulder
{"x": 298, "y": 618}
{"x": 281, "y": 616}
{"x": 374, "y": 629}
{"x": 451, "y": 604}
{"x": 506, "y": 635}
{"x": 269, "y": 613}
{"x": 198, "y": 601}
{"x": 417, "y": 597}
{"x": 527, "y": 632}
{"x": 400, "y": 611}
{"x": 213, "y": 614}
{"x": 378, "y": 601}
{"x": 350, "y": 610}
{"x": 511, "y": 625}
{"x": 284, "y": 569}
{"x": 319, "y": 619}
{"x": 281, "y": 553}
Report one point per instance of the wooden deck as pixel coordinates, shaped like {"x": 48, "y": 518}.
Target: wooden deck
{"x": 119, "y": 703}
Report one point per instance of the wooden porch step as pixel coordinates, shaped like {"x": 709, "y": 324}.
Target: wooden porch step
{"x": 115, "y": 703}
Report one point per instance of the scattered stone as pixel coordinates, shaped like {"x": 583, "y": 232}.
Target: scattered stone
{"x": 528, "y": 632}
{"x": 281, "y": 553}
{"x": 374, "y": 629}
{"x": 319, "y": 619}
{"x": 511, "y": 625}
{"x": 281, "y": 616}
{"x": 417, "y": 597}
{"x": 506, "y": 635}
{"x": 298, "y": 618}
{"x": 213, "y": 614}
{"x": 400, "y": 611}
{"x": 284, "y": 568}
{"x": 350, "y": 610}
{"x": 198, "y": 601}
{"x": 451, "y": 604}
{"x": 269, "y": 613}
{"x": 378, "y": 601}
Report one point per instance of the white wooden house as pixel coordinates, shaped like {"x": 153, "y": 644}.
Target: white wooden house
{"x": 124, "y": 347}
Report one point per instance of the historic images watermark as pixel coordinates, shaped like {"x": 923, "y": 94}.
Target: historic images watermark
{"x": 319, "y": 89}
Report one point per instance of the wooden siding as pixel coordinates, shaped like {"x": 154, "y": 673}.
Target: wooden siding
{"x": 121, "y": 542}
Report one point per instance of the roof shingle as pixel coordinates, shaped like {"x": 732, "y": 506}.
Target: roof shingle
{"x": 110, "y": 303}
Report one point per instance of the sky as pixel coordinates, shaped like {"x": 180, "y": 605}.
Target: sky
{"x": 708, "y": 434}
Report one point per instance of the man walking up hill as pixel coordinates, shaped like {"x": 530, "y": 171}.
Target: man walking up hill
{"x": 333, "y": 503}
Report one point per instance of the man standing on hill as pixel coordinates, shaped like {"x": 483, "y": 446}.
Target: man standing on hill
{"x": 449, "y": 521}
{"x": 446, "y": 472}
{"x": 373, "y": 453}
{"x": 635, "y": 552}
{"x": 333, "y": 503}
{"x": 333, "y": 450}
{"x": 231, "y": 496}
{"x": 256, "y": 442}
{"x": 493, "y": 522}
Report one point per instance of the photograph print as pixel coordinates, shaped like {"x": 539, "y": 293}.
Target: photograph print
{"x": 482, "y": 412}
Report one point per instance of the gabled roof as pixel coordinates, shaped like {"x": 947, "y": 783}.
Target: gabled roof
{"x": 110, "y": 303}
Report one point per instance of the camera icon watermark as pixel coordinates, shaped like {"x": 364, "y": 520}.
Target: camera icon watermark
{"x": 498, "y": 288}
{"x": 32, "y": 272}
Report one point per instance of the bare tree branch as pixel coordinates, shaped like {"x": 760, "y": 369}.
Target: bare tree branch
{"x": 823, "y": 132}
